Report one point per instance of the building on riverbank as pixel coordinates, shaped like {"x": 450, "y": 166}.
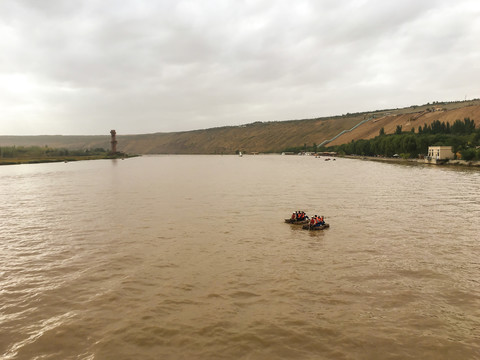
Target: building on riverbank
{"x": 439, "y": 154}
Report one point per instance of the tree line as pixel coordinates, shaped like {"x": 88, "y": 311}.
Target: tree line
{"x": 461, "y": 135}
{"x": 39, "y": 152}
{"x": 459, "y": 127}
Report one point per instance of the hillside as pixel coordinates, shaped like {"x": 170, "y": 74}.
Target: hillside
{"x": 409, "y": 120}
{"x": 263, "y": 136}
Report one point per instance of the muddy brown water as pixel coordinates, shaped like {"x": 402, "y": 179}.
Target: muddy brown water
{"x": 188, "y": 257}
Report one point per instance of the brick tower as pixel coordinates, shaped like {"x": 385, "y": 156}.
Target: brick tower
{"x": 114, "y": 141}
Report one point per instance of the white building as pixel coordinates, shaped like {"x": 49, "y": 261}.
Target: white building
{"x": 439, "y": 154}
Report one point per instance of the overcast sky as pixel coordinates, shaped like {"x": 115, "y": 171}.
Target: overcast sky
{"x": 143, "y": 66}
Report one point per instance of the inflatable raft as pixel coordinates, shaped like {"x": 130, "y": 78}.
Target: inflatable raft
{"x": 297, "y": 222}
{"x": 313, "y": 228}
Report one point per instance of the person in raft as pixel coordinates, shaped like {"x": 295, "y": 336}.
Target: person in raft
{"x": 298, "y": 216}
{"x": 317, "y": 221}
{"x": 301, "y": 216}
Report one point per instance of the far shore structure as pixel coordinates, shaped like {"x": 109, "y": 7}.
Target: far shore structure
{"x": 438, "y": 154}
{"x": 114, "y": 141}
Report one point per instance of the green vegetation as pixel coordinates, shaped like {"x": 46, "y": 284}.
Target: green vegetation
{"x": 36, "y": 154}
{"x": 462, "y": 136}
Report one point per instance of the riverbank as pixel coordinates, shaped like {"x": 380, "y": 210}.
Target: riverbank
{"x": 40, "y": 160}
{"x": 475, "y": 164}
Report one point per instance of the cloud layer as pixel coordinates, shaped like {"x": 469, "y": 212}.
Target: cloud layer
{"x": 154, "y": 66}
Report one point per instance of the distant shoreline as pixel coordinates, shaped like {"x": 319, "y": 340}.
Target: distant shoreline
{"x": 20, "y": 161}
{"x": 463, "y": 163}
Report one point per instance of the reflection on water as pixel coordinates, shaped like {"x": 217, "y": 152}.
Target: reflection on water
{"x": 188, "y": 257}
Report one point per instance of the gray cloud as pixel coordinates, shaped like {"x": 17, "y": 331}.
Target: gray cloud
{"x": 151, "y": 66}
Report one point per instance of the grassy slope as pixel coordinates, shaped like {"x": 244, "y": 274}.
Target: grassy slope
{"x": 260, "y": 137}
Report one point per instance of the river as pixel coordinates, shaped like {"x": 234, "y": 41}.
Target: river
{"x": 188, "y": 257}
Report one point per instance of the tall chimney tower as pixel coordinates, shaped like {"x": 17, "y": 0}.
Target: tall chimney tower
{"x": 114, "y": 141}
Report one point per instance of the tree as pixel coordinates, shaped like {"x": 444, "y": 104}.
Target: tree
{"x": 362, "y": 147}
{"x": 409, "y": 145}
{"x": 468, "y": 154}
{"x": 382, "y": 132}
{"x": 389, "y": 149}
{"x": 398, "y": 130}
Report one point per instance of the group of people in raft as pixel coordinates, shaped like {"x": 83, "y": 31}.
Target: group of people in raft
{"x": 299, "y": 216}
{"x": 314, "y": 221}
